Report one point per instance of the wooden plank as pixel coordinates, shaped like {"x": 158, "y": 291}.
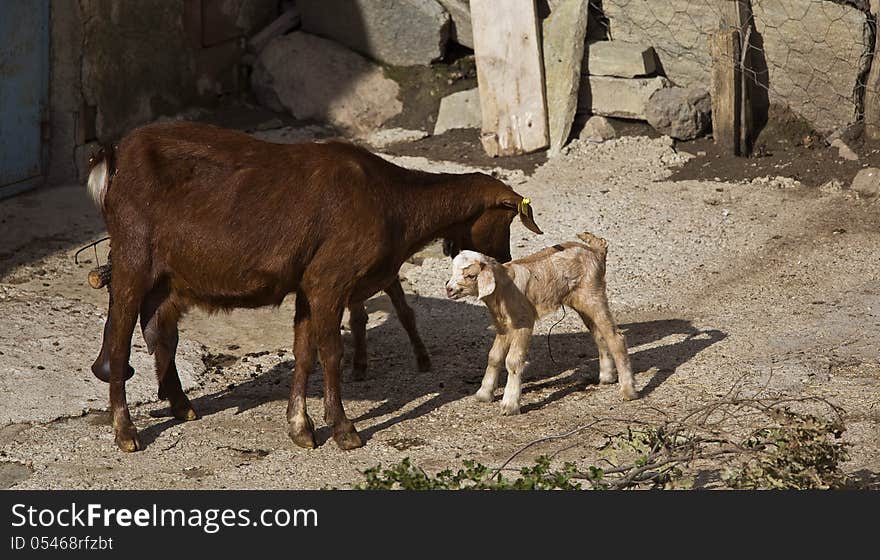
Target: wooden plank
{"x": 872, "y": 86}
{"x": 725, "y": 89}
{"x": 510, "y": 76}
{"x": 737, "y": 15}
{"x": 564, "y": 32}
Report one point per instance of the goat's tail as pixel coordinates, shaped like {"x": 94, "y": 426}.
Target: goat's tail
{"x": 594, "y": 242}
{"x": 102, "y": 166}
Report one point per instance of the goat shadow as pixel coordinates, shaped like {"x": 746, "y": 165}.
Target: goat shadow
{"x": 458, "y": 337}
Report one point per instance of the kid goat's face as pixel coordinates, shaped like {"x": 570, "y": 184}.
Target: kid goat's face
{"x": 470, "y": 274}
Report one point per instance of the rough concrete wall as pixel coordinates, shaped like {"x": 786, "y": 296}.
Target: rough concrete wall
{"x": 118, "y": 64}
{"x": 137, "y": 63}
{"x": 812, "y": 47}
{"x": 65, "y": 90}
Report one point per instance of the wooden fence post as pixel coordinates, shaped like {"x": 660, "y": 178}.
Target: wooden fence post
{"x": 731, "y": 74}
{"x": 510, "y": 76}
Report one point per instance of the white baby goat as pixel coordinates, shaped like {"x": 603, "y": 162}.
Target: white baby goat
{"x": 520, "y": 292}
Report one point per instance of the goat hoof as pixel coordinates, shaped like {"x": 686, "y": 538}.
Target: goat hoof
{"x": 184, "y": 411}
{"x": 508, "y": 409}
{"x": 302, "y": 433}
{"x": 484, "y": 396}
{"x": 607, "y": 378}
{"x": 348, "y": 440}
{"x": 629, "y": 393}
{"x": 424, "y": 362}
{"x": 127, "y": 439}
{"x": 101, "y": 370}
{"x": 359, "y": 373}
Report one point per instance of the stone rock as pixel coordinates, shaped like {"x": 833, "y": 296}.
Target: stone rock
{"x": 459, "y": 110}
{"x": 564, "y": 31}
{"x": 844, "y": 151}
{"x": 618, "y": 97}
{"x": 313, "y": 78}
{"x": 460, "y": 11}
{"x": 597, "y": 129}
{"x": 831, "y": 187}
{"x": 867, "y": 182}
{"x": 616, "y": 58}
{"x": 396, "y": 32}
{"x": 682, "y": 113}
{"x": 387, "y": 136}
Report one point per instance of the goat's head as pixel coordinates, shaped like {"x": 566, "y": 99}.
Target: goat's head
{"x": 489, "y": 231}
{"x": 473, "y": 274}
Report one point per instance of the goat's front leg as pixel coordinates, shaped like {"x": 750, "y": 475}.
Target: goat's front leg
{"x": 300, "y": 427}
{"x": 516, "y": 364}
{"x": 496, "y": 359}
{"x": 325, "y": 331}
{"x": 408, "y": 319}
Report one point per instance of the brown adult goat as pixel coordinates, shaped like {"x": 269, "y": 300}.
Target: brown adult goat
{"x": 202, "y": 216}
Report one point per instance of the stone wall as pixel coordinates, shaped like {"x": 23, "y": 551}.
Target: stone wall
{"x": 812, "y": 47}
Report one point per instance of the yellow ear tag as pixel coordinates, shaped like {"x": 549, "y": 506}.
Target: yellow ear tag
{"x": 524, "y": 204}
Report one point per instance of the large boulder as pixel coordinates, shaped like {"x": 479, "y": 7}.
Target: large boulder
{"x": 396, "y": 32}
{"x": 313, "y": 78}
{"x": 460, "y": 12}
{"x": 867, "y": 182}
{"x": 682, "y": 113}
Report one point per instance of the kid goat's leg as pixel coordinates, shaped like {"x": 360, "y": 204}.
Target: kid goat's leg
{"x": 606, "y": 362}
{"x": 516, "y": 364}
{"x": 496, "y": 360}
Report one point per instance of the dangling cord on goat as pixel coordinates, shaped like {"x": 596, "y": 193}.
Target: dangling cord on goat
{"x": 549, "y": 351}
{"x": 93, "y": 244}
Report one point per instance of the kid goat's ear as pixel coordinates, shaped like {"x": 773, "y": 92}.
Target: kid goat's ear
{"x": 485, "y": 281}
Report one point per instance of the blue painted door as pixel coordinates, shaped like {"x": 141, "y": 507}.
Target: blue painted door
{"x": 24, "y": 86}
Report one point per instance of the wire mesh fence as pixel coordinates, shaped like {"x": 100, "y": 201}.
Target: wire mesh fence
{"x": 815, "y": 54}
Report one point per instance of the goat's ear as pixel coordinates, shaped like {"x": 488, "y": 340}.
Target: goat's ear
{"x": 485, "y": 281}
{"x": 523, "y": 207}
{"x": 524, "y": 211}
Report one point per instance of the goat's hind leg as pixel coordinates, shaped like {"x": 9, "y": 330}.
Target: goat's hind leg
{"x": 408, "y": 319}
{"x": 300, "y": 427}
{"x": 159, "y": 318}
{"x": 125, "y": 303}
{"x": 358, "y": 324}
{"x": 101, "y": 366}
{"x": 607, "y": 373}
{"x": 597, "y": 310}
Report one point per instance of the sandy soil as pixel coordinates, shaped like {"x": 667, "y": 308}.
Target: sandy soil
{"x": 768, "y": 282}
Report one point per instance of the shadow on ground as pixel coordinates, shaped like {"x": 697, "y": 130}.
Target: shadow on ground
{"x": 459, "y": 338}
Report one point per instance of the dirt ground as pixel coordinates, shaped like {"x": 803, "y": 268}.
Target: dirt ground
{"x": 771, "y": 283}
